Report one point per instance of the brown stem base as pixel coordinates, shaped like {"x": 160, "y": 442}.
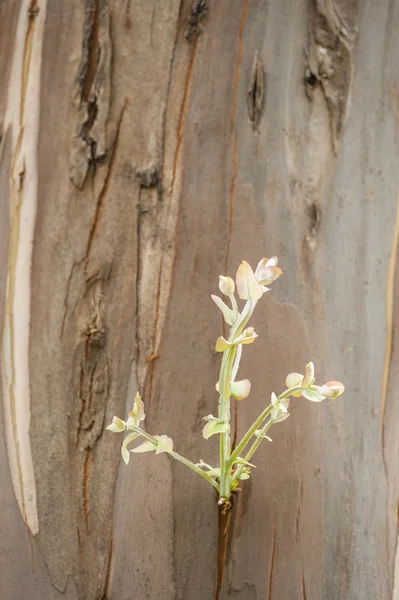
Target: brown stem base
{"x": 225, "y": 514}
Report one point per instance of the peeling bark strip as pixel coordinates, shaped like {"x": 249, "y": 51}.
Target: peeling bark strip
{"x": 92, "y": 93}
{"x": 330, "y": 63}
{"x": 24, "y": 90}
{"x": 390, "y": 324}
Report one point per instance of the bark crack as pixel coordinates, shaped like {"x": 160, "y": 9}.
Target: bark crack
{"x": 106, "y": 185}
{"x": 269, "y": 595}
{"x": 304, "y": 596}
{"x": 256, "y": 92}
{"x": 330, "y": 64}
{"x": 234, "y": 121}
{"x": 92, "y": 93}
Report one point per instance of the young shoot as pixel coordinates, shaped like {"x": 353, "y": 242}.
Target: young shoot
{"x": 234, "y": 463}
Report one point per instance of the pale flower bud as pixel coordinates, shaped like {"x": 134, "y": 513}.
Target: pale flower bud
{"x": 267, "y": 271}
{"x": 240, "y": 390}
{"x": 226, "y": 285}
{"x": 309, "y": 375}
{"x": 332, "y": 389}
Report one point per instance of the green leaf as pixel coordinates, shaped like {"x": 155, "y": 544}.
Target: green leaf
{"x": 226, "y": 311}
{"x": 125, "y": 453}
{"x": 214, "y": 471}
{"x": 137, "y": 414}
{"x": 165, "y": 444}
{"x": 262, "y": 435}
{"x": 213, "y": 427}
{"x": 278, "y": 417}
{"x": 275, "y": 402}
{"x": 242, "y": 461}
{"x": 248, "y": 287}
{"x": 244, "y": 475}
{"x": 312, "y": 393}
{"x": 117, "y": 425}
{"x": 145, "y": 446}
{"x": 222, "y": 344}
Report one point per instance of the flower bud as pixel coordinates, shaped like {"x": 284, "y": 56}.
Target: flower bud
{"x": 240, "y": 390}
{"x": 332, "y": 389}
{"x": 267, "y": 271}
{"x": 309, "y": 375}
{"x": 226, "y": 285}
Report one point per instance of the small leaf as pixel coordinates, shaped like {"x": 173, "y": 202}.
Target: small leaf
{"x": 284, "y": 404}
{"x": 278, "y": 417}
{"x": 242, "y": 461}
{"x": 313, "y": 394}
{"x": 262, "y": 435}
{"x": 210, "y": 418}
{"x": 129, "y": 438}
{"x": 222, "y": 344}
{"x": 240, "y": 390}
{"x": 137, "y": 414}
{"x": 294, "y": 380}
{"x": 214, "y": 471}
{"x": 117, "y": 425}
{"x": 214, "y": 427}
{"x": 165, "y": 444}
{"x": 248, "y": 336}
{"x": 248, "y": 287}
{"x": 228, "y": 314}
{"x": 226, "y": 285}
{"x": 244, "y": 475}
{"x": 145, "y": 446}
{"x": 275, "y": 402}
{"x": 125, "y": 455}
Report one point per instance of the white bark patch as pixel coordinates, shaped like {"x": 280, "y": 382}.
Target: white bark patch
{"x": 22, "y": 116}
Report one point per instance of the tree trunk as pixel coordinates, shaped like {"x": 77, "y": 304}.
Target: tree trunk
{"x": 147, "y": 147}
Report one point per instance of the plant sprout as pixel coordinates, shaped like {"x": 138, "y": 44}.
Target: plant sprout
{"x": 234, "y": 463}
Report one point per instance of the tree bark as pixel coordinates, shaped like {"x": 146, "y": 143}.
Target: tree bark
{"x": 147, "y": 147}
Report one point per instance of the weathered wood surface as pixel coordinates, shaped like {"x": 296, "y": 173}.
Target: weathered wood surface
{"x": 147, "y": 147}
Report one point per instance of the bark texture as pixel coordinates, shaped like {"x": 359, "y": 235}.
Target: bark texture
{"x": 145, "y": 148}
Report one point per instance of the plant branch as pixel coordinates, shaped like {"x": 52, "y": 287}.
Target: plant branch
{"x": 247, "y": 437}
{"x": 178, "y": 457}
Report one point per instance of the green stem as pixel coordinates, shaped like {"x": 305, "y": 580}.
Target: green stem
{"x": 247, "y": 437}
{"x": 224, "y": 415}
{"x": 251, "y": 431}
{"x": 178, "y": 457}
{"x": 252, "y": 450}
{"x": 197, "y": 470}
{"x": 224, "y": 399}
{"x": 236, "y": 363}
